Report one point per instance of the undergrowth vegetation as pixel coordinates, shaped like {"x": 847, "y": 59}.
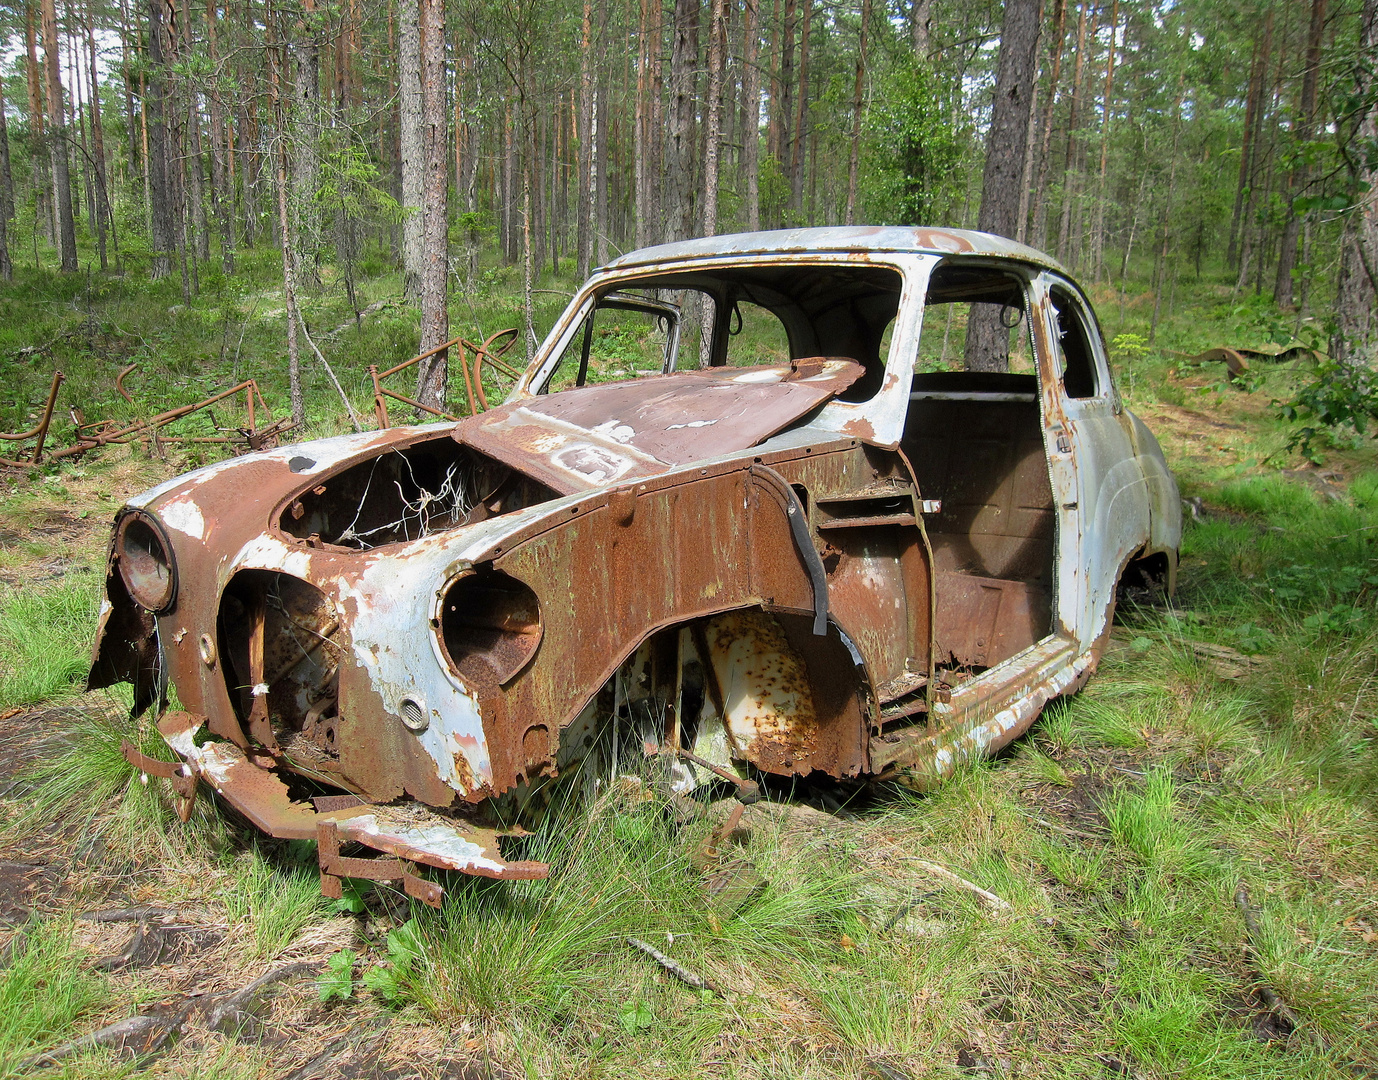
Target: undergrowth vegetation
{"x": 1228, "y": 739}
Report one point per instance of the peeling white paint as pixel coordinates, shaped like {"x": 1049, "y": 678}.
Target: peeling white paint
{"x": 185, "y": 516}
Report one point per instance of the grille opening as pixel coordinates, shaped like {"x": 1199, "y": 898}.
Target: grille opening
{"x": 490, "y": 625}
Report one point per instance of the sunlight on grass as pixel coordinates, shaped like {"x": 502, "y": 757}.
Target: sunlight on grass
{"x": 45, "y": 989}
{"x": 273, "y": 902}
{"x": 45, "y": 635}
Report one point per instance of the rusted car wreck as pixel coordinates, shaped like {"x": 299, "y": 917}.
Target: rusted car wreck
{"x": 821, "y": 552}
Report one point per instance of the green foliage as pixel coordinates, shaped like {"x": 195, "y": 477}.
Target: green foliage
{"x": 1341, "y": 396}
{"x": 911, "y": 149}
{"x": 337, "y": 980}
{"x": 391, "y": 979}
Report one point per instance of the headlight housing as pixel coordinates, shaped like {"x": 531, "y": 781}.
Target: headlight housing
{"x": 144, "y": 556}
{"x": 489, "y": 626}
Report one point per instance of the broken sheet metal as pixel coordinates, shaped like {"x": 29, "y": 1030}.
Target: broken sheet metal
{"x": 827, "y": 568}
{"x": 643, "y": 427}
{"x": 411, "y": 833}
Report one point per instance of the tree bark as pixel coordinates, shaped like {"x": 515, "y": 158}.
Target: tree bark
{"x": 6, "y": 178}
{"x": 1300, "y": 175}
{"x": 1098, "y": 229}
{"x": 1250, "y": 179}
{"x": 155, "y": 106}
{"x": 587, "y": 121}
{"x": 717, "y": 52}
{"x": 1069, "y": 177}
{"x": 222, "y": 190}
{"x": 920, "y": 25}
{"x": 679, "y": 163}
{"x": 306, "y": 131}
{"x": 854, "y": 157}
{"x": 57, "y": 130}
{"x": 433, "y": 372}
{"x": 801, "y": 114}
{"x": 102, "y": 217}
{"x": 1357, "y": 287}
{"x": 751, "y": 112}
{"x": 43, "y": 208}
{"x": 987, "y": 339}
{"x": 413, "y": 155}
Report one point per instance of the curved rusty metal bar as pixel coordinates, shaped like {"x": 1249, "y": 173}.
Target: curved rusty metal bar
{"x": 485, "y": 352}
{"x": 119, "y": 383}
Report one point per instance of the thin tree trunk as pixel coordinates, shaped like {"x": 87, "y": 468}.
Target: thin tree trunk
{"x": 6, "y": 178}
{"x": 680, "y": 157}
{"x": 1357, "y": 286}
{"x": 156, "y": 155}
{"x": 717, "y": 51}
{"x": 1246, "y": 230}
{"x": 1098, "y": 230}
{"x": 103, "y": 216}
{"x": 1300, "y": 175}
{"x": 1016, "y": 69}
{"x": 413, "y": 156}
{"x": 277, "y": 63}
{"x": 920, "y": 24}
{"x": 57, "y": 128}
{"x": 222, "y": 188}
{"x": 42, "y": 187}
{"x": 1255, "y": 91}
{"x": 640, "y": 133}
{"x": 854, "y": 157}
{"x": 796, "y": 160}
{"x": 1069, "y": 178}
{"x": 433, "y": 373}
{"x": 1162, "y": 271}
{"x": 587, "y": 123}
{"x": 751, "y": 112}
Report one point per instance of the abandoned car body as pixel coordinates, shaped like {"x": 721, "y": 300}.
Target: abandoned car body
{"x": 820, "y": 552}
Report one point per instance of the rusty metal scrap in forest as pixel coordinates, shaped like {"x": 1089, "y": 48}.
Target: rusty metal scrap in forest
{"x": 490, "y": 352}
{"x": 852, "y": 563}
{"x": 259, "y": 432}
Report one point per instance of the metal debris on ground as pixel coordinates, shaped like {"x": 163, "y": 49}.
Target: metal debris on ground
{"x": 260, "y": 432}
{"x": 1236, "y": 359}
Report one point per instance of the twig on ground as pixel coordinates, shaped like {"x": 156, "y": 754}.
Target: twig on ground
{"x": 683, "y": 974}
{"x": 1270, "y": 997}
{"x": 353, "y": 416}
{"x": 230, "y": 1013}
{"x": 129, "y": 914}
{"x": 943, "y": 872}
{"x": 142, "y": 1034}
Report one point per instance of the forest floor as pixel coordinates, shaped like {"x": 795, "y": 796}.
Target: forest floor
{"x": 1229, "y": 739}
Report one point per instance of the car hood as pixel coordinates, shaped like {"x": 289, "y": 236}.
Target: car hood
{"x": 597, "y": 435}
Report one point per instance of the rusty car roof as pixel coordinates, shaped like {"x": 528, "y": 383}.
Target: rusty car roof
{"x": 849, "y": 239}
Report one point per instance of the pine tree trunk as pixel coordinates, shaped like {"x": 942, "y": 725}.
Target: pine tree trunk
{"x": 1039, "y": 237}
{"x": 1098, "y": 229}
{"x": 1016, "y": 70}
{"x": 751, "y": 112}
{"x": 679, "y": 158}
{"x": 1357, "y": 287}
{"x": 854, "y": 158}
{"x": 6, "y": 178}
{"x": 1300, "y": 176}
{"x": 1069, "y": 176}
{"x": 717, "y": 53}
{"x": 58, "y": 135}
{"x": 222, "y": 189}
{"x": 432, "y": 377}
{"x": 155, "y": 105}
{"x": 37, "y": 124}
{"x": 584, "y": 249}
{"x": 306, "y": 133}
{"x": 1250, "y": 176}
{"x": 796, "y": 161}
{"x": 102, "y": 219}
{"x": 641, "y": 135}
{"x": 412, "y": 154}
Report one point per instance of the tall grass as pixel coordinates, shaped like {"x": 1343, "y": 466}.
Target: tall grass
{"x": 44, "y": 639}
{"x": 45, "y": 990}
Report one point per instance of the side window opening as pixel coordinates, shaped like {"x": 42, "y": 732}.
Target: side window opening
{"x": 1075, "y": 360}
{"x": 755, "y": 335}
